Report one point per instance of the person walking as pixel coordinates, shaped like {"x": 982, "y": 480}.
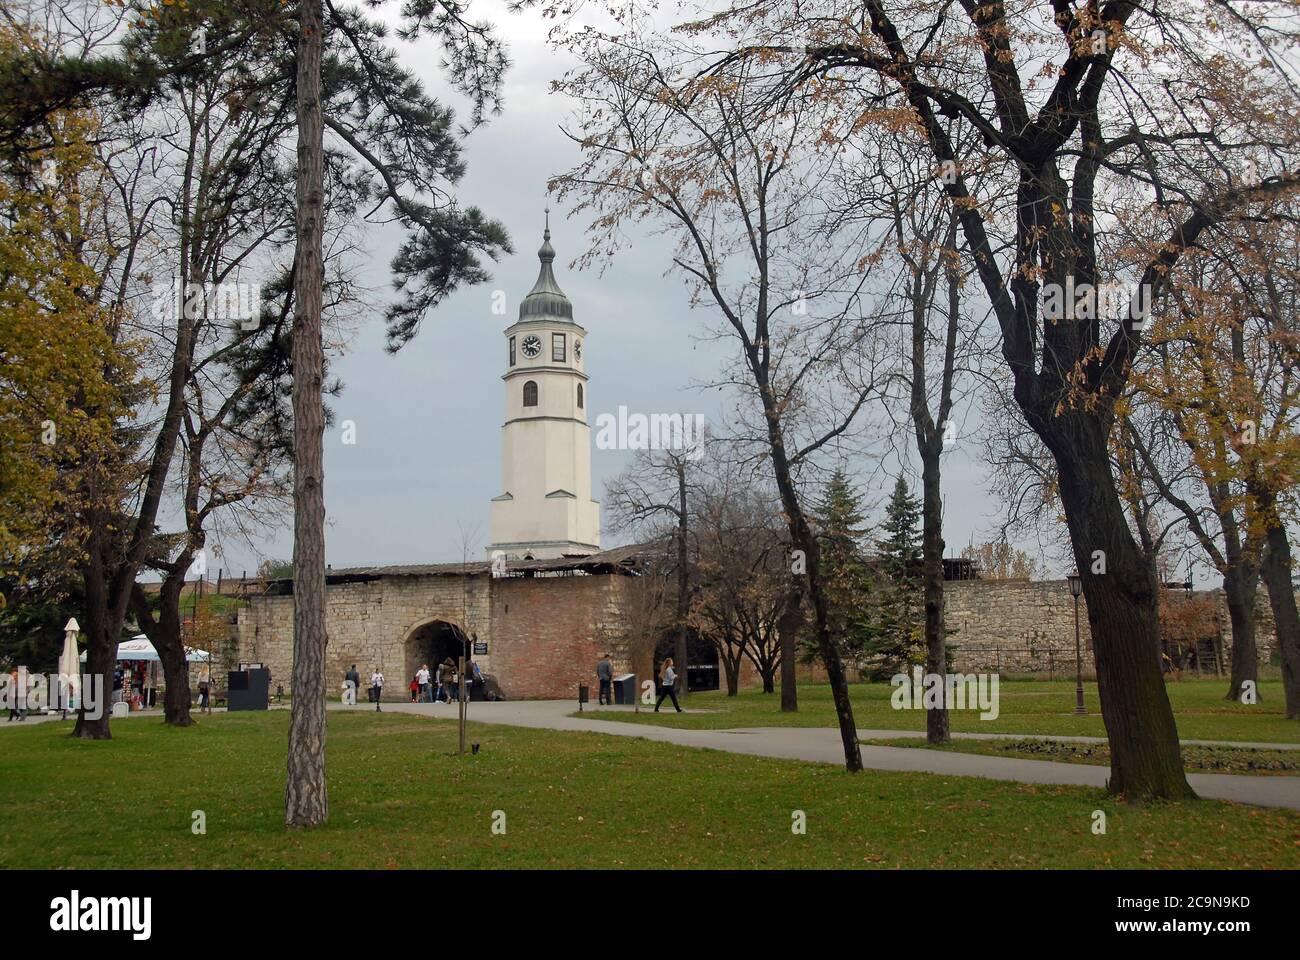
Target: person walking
{"x": 354, "y": 678}
{"x": 667, "y": 684}
{"x": 415, "y": 688}
{"x": 605, "y": 674}
{"x": 443, "y": 680}
{"x": 448, "y": 675}
{"x": 14, "y": 709}
{"x": 422, "y": 678}
{"x": 376, "y": 687}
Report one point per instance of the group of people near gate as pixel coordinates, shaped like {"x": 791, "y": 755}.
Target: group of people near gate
{"x": 442, "y": 685}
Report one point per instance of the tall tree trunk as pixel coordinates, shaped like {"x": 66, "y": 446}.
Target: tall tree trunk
{"x": 101, "y": 634}
{"x": 111, "y": 565}
{"x": 1120, "y": 590}
{"x": 788, "y": 630}
{"x": 802, "y": 538}
{"x": 305, "y": 800}
{"x": 165, "y": 635}
{"x": 1276, "y": 570}
{"x": 929, "y": 444}
{"x": 936, "y": 661}
{"x": 731, "y": 669}
{"x": 1240, "y": 583}
{"x": 682, "y": 655}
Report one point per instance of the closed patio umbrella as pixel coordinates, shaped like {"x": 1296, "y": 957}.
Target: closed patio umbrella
{"x": 70, "y": 668}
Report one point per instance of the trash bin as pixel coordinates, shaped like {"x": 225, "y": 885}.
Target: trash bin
{"x": 249, "y": 689}
{"x": 625, "y": 689}
{"x": 584, "y": 694}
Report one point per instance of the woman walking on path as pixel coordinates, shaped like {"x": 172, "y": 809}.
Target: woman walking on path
{"x": 668, "y": 685}
{"x": 377, "y": 687}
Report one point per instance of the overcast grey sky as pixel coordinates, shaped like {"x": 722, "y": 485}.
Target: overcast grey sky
{"x": 427, "y": 455}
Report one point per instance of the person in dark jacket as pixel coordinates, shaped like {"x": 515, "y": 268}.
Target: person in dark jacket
{"x": 605, "y": 674}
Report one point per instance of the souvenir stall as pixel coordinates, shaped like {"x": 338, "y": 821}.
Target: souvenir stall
{"x": 141, "y": 669}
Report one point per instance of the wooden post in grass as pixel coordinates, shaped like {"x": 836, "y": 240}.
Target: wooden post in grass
{"x": 460, "y": 688}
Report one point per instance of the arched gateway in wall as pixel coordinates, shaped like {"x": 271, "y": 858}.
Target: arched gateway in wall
{"x": 431, "y": 643}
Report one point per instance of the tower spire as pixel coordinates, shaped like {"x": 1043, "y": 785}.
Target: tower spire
{"x": 546, "y": 299}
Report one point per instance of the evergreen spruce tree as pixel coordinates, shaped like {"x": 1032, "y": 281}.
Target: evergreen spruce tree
{"x": 896, "y": 633}
{"x": 845, "y": 567}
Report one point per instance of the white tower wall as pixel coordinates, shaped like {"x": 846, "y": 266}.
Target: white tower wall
{"x": 545, "y": 509}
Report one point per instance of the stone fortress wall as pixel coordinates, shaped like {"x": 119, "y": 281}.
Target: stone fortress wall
{"x": 1021, "y": 626}
{"x": 545, "y": 633}
{"x": 367, "y": 623}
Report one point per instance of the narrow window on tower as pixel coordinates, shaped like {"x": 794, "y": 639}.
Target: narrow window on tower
{"x": 557, "y": 347}
{"x": 579, "y": 396}
{"x": 512, "y": 351}
{"x": 530, "y": 393}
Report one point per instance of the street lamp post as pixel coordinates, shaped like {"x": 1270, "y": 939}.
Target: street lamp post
{"x": 1076, "y": 589}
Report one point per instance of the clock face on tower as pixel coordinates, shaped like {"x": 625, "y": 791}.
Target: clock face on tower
{"x": 531, "y": 346}
{"x": 577, "y": 349}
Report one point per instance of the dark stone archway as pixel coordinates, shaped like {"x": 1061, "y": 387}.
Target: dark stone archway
{"x": 432, "y": 643}
{"x": 703, "y": 671}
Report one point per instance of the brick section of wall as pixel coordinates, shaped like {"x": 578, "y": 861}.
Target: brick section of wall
{"x": 548, "y": 633}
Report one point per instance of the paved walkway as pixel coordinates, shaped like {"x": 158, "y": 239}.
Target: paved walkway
{"x": 822, "y": 745}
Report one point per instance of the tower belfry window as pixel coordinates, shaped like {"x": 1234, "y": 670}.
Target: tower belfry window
{"x": 512, "y": 351}
{"x": 557, "y": 347}
{"x": 579, "y": 396}
{"x": 530, "y": 393}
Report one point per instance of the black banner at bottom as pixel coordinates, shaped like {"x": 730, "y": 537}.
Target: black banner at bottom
{"x": 395, "y": 910}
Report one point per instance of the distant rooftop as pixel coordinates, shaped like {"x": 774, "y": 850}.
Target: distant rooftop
{"x": 620, "y": 560}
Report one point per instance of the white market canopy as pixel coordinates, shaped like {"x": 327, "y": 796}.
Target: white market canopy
{"x": 139, "y": 648}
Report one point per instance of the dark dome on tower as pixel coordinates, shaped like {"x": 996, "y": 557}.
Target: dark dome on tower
{"x": 546, "y": 301}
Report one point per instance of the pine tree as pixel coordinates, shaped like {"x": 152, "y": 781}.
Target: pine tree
{"x": 847, "y": 573}
{"x": 896, "y": 638}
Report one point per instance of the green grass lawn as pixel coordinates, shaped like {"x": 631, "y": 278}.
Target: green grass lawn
{"x": 1196, "y": 759}
{"x": 1029, "y": 706}
{"x": 400, "y": 798}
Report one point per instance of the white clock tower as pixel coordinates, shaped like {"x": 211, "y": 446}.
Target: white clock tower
{"x": 545, "y": 508}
